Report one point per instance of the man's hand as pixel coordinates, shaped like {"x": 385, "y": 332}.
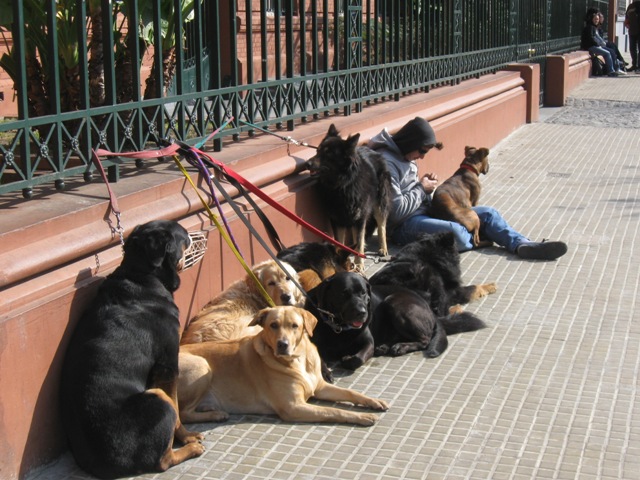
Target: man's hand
{"x": 429, "y": 182}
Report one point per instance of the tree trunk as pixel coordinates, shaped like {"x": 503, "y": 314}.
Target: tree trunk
{"x": 37, "y": 95}
{"x": 96, "y": 61}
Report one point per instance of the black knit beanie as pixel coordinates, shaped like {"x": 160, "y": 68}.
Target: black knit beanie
{"x": 415, "y": 134}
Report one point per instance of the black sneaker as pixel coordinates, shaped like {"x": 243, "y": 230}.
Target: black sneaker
{"x": 541, "y": 250}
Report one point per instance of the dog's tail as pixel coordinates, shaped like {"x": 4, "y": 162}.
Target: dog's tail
{"x": 461, "y": 322}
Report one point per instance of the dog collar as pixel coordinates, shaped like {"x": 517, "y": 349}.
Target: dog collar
{"x": 329, "y": 319}
{"x": 469, "y": 167}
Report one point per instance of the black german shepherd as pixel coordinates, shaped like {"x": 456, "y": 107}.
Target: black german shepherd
{"x": 354, "y": 187}
{"x": 431, "y": 265}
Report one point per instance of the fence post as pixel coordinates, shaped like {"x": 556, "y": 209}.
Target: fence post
{"x": 457, "y": 38}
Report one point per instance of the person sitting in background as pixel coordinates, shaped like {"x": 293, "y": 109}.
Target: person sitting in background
{"x": 595, "y": 45}
{"x": 611, "y": 45}
{"x": 411, "y": 198}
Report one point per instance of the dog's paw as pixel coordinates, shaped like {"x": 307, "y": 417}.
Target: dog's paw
{"x": 483, "y": 290}
{"x": 195, "y": 448}
{"x": 193, "y": 437}
{"x": 210, "y": 415}
{"x": 377, "y": 404}
{"x": 487, "y": 289}
{"x": 456, "y": 309}
{"x": 367, "y": 419}
{"x": 483, "y": 243}
{"x": 381, "y": 350}
{"x": 186, "y": 437}
{"x": 327, "y": 375}
{"x": 398, "y": 350}
{"x": 490, "y": 288}
{"x": 351, "y": 362}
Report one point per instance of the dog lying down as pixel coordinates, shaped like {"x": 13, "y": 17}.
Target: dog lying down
{"x": 273, "y": 372}
{"x": 228, "y": 315}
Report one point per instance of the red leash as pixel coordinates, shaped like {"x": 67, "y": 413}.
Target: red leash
{"x": 252, "y": 188}
{"x": 174, "y": 147}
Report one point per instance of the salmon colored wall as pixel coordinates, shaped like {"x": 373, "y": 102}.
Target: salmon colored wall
{"x": 564, "y": 73}
{"x": 38, "y": 311}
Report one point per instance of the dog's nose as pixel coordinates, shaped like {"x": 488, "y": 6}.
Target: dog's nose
{"x": 283, "y": 347}
{"x": 285, "y": 298}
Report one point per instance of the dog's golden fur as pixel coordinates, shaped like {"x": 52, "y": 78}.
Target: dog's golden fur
{"x": 454, "y": 198}
{"x": 228, "y": 315}
{"x": 273, "y": 372}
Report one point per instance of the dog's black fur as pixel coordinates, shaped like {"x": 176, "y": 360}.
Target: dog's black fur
{"x": 354, "y": 187}
{"x": 118, "y": 386}
{"x": 322, "y": 257}
{"x": 431, "y": 265}
{"x": 373, "y": 320}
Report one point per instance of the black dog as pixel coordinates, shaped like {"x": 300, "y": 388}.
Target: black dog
{"x": 322, "y": 257}
{"x": 354, "y": 187}
{"x": 432, "y": 265}
{"x": 118, "y": 385}
{"x": 364, "y": 320}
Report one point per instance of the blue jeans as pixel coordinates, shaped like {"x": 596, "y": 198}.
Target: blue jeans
{"x": 609, "y": 57}
{"x": 492, "y": 227}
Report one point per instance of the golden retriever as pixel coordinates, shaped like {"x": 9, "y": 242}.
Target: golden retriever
{"x": 228, "y": 315}
{"x": 273, "y": 372}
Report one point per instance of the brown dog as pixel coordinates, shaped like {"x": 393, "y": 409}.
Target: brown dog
{"x": 227, "y": 316}
{"x": 273, "y": 372}
{"x": 454, "y": 198}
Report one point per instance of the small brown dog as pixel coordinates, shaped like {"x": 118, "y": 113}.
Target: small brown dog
{"x": 273, "y": 372}
{"x": 227, "y": 316}
{"x": 454, "y": 198}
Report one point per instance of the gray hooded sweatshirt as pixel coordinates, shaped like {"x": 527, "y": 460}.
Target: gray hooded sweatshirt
{"x": 408, "y": 195}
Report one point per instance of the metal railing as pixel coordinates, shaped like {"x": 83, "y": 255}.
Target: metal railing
{"x": 127, "y": 75}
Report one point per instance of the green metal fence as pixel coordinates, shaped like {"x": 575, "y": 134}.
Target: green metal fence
{"x": 127, "y": 75}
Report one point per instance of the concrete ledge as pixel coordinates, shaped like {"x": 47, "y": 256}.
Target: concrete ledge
{"x": 49, "y": 268}
{"x": 564, "y": 73}
{"x": 530, "y": 73}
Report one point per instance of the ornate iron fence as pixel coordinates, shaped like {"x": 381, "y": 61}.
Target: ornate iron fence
{"x": 126, "y": 75}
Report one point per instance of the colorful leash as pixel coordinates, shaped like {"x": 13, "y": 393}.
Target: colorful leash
{"x": 172, "y": 150}
{"x": 225, "y": 235}
{"x": 230, "y": 174}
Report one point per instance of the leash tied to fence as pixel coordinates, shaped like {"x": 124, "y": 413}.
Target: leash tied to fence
{"x": 202, "y": 161}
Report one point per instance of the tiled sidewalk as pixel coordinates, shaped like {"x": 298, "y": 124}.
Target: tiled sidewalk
{"x": 549, "y": 390}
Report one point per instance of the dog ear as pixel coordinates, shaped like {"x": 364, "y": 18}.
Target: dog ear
{"x": 484, "y": 152}
{"x": 258, "y": 272}
{"x": 345, "y": 259}
{"x": 317, "y": 294}
{"x": 353, "y": 140}
{"x": 333, "y": 131}
{"x": 446, "y": 239}
{"x": 260, "y": 317}
{"x": 310, "y": 321}
{"x": 152, "y": 247}
{"x": 468, "y": 151}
